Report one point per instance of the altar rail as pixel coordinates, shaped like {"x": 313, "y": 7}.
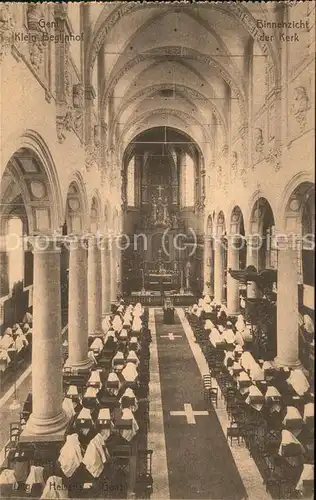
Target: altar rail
{"x": 155, "y": 300}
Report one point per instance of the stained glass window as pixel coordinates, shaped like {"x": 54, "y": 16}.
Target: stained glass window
{"x": 187, "y": 182}
{"x": 131, "y": 183}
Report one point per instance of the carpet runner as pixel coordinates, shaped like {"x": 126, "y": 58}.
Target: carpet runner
{"x": 200, "y": 463}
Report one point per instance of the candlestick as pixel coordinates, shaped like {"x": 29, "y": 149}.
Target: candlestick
{"x": 143, "y": 281}
{"x": 181, "y": 283}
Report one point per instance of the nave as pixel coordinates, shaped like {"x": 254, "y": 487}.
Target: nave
{"x": 179, "y": 441}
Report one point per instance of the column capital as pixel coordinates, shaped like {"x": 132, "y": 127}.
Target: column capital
{"x": 45, "y": 243}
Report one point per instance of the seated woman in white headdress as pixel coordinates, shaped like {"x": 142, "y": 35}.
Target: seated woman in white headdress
{"x": 7, "y": 340}
{"x": 113, "y": 384}
{"x": 4, "y": 356}
{"x": 198, "y": 312}
{"x": 123, "y": 335}
{"x": 222, "y": 314}
{"x": 35, "y": 477}
{"x": 27, "y": 318}
{"x": 95, "y": 380}
{"x": 246, "y": 334}
{"x": 96, "y": 456}
{"x": 16, "y": 329}
{"x": 105, "y": 324}
{"x": 215, "y": 337}
{"x": 129, "y": 433}
{"x": 309, "y": 331}
{"x": 118, "y": 361}
{"x": 133, "y": 344}
{"x": 117, "y": 323}
{"x": 129, "y": 373}
{"x": 138, "y": 310}
{"x": 7, "y": 476}
{"x": 120, "y": 309}
{"x": 201, "y": 302}
{"x": 239, "y": 339}
{"x": 128, "y": 400}
{"x": 207, "y": 309}
{"x": 91, "y": 393}
{"x": 110, "y": 338}
{"x": 69, "y": 407}
{"x": 27, "y": 330}
{"x": 240, "y": 323}
{"x": 92, "y": 357}
{"x": 20, "y": 342}
{"x": 54, "y": 488}
{"x": 70, "y": 456}
{"x": 208, "y": 325}
{"x": 256, "y": 372}
{"x": 132, "y": 358}
{"x": 207, "y": 299}
{"x": 137, "y": 324}
{"x": 127, "y": 321}
{"x": 97, "y": 345}
{"x": 242, "y": 302}
{"x": 228, "y": 334}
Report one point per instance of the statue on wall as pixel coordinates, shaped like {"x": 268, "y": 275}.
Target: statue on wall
{"x": 159, "y": 210}
{"x": 77, "y": 96}
{"x": 234, "y": 164}
{"x": 6, "y": 29}
{"x": 259, "y": 142}
{"x": 97, "y": 135}
{"x": 34, "y": 14}
{"x": 300, "y": 105}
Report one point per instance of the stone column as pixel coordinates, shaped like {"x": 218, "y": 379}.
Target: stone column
{"x": 232, "y": 284}
{"x": 48, "y": 418}
{"x": 287, "y": 309}
{"x": 94, "y": 287}
{"x": 218, "y": 271}
{"x": 253, "y": 291}
{"x": 207, "y": 273}
{"x": 113, "y": 295}
{"x": 78, "y": 307}
{"x": 106, "y": 277}
{"x": 118, "y": 267}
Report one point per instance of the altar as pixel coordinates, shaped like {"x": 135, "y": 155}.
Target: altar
{"x": 162, "y": 281}
{"x": 163, "y": 260}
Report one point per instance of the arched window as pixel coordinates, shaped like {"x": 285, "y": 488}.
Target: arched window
{"x": 131, "y": 183}
{"x": 187, "y": 182}
{"x": 15, "y": 251}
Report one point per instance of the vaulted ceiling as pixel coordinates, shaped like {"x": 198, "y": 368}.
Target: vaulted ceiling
{"x": 171, "y": 64}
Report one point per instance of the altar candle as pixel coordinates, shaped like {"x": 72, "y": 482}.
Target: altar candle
{"x": 181, "y": 277}
{"x": 142, "y": 270}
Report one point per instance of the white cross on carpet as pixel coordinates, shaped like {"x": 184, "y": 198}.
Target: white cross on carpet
{"x": 170, "y": 336}
{"x": 188, "y": 413}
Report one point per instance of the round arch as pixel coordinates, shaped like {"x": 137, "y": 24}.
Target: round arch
{"x": 220, "y": 224}
{"x": 32, "y": 168}
{"x": 76, "y": 208}
{"x": 302, "y": 179}
{"x": 237, "y": 225}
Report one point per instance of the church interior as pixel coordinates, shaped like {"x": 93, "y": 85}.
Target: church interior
{"x": 157, "y": 222}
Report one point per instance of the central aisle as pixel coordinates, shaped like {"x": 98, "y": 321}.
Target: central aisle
{"x": 200, "y": 463}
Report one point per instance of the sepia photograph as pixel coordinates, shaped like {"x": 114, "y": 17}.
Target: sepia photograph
{"x": 157, "y": 250}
